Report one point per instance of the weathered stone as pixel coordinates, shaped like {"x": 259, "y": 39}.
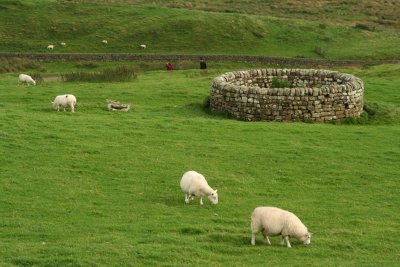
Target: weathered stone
{"x": 250, "y": 92}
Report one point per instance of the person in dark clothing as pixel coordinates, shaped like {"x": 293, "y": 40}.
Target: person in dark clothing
{"x": 203, "y": 64}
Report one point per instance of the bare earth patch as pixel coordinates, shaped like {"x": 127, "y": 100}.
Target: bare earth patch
{"x": 52, "y": 78}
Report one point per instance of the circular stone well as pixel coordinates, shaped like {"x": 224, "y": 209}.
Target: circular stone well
{"x": 308, "y": 95}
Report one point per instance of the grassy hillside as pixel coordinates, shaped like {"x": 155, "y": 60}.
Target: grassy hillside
{"x": 97, "y": 188}
{"x": 168, "y": 30}
{"x": 372, "y": 13}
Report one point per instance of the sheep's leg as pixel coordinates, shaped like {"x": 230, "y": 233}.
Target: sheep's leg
{"x": 266, "y": 237}
{"x": 287, "y": 242}
{"x": 187, "y": 198}
{"x": 269, "y": 242}
{"x": 253, "y": 239}
{"x": 201, "y": 200}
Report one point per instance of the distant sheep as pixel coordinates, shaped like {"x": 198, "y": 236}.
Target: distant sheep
{"x": 274, "y": 221}
{"x": 143, "y": 46}
{"x": 50, "y": 47}
{"x": 24, "y": 78}
{"x": 63, "y": 44}
{"x": 64, "y": 101}
{"x": 104, "y": 41}
{"x": 194, "y": 184}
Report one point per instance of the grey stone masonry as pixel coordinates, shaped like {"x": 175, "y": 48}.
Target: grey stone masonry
{"x": 309, "y": 95}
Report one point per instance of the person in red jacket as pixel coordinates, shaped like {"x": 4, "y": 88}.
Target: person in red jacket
{"x": 169, "y": 66}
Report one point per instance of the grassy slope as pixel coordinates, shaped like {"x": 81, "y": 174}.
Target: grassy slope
{"x": 102, "y": 188}
{"x": 181, "y": 31}
{"x": 371, "y": 13}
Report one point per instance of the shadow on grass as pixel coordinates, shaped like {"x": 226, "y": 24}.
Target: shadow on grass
{"x": 231, "y": 240}
{"x": 373, "y": 114}
{"x": 198, "y": 110}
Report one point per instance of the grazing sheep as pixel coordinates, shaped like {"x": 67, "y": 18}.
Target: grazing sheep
{"x": 274, "y": 221}
{"x": 50, "y": 47}
{"x": 23, "y": 78}
{"x": 64, "y": 101}
{"x": 63, "y": 44}
{"x": 194, "y": 184}
{"x": 143, "y": 46}
{"x": 104, "y": 41}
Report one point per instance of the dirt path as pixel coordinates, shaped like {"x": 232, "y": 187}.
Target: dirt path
{"x": 52, "y": 78}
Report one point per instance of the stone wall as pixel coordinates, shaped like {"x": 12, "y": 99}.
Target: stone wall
{"x": 310, "y": 95}
{"x": 281, "y": 61}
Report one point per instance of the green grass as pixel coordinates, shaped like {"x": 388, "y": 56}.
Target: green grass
{"x": 100, "y": 188}
{"x": 168, "y": 30}
{"x": 375, "y": 14}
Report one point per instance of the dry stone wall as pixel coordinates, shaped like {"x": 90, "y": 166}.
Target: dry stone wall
{"x": 310, "y": 95}
{"x": 281, "y": 61}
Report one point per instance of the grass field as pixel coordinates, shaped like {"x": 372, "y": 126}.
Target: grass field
{"x": 97, "y": 188}
{"x": 101, "y": 188}
{"x": 176, "y": 27}
{"x": 371, "y": 13}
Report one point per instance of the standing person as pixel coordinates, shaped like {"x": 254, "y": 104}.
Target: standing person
{"x": 203, "y": 64}
{"x": 169, "y": 66}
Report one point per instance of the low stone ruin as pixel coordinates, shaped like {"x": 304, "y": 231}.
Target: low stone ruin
{"x": 307, "y": 95}
{"x": 117, "y": 106}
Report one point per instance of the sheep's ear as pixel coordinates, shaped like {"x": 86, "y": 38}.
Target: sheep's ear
{"x": 216, "y": 190}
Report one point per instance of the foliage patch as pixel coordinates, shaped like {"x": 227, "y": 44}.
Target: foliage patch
{"x": 19, "y": 64}
{"x": 117, "y": 74}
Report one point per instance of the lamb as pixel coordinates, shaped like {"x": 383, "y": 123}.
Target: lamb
{"x": 275, "y": 221}
{"x": 24, "y": 78}
{"x": 63, "y": 44}
{"x": 194, "y": 184}
{"x": 104, "y": 41}
{"x": 143, "y": 46}
{"x": 64, "y": 101}
{"x": 50, "y": 47}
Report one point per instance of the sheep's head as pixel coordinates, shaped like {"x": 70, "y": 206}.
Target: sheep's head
{"x": 213, "y": 197}
{"x": 33, "y": 82}
{"x": 306, "y": 238}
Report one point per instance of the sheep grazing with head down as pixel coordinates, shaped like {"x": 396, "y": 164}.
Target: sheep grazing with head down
{"x": 104, "y": 41}
{"x": 24, "y": 78}
{"x": 143, "y": 46}
{"x": 64, "y": 101}
{"x": 50, "y": 47}
{"x": 274, "y": 221}
{"x": 194, "y": 184}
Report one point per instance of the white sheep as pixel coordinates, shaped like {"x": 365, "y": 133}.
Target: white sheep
{"x": 50, "y": 47}
{"x": 24, "y": 78}
{"x": 64, "y": 101}
{"x": 275, "y": 221}
{"x": 143, "y": 46}
{"x": 194, "y": 184}
{"x": 63, "y": 44}
{"x": 104, "y": 41}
